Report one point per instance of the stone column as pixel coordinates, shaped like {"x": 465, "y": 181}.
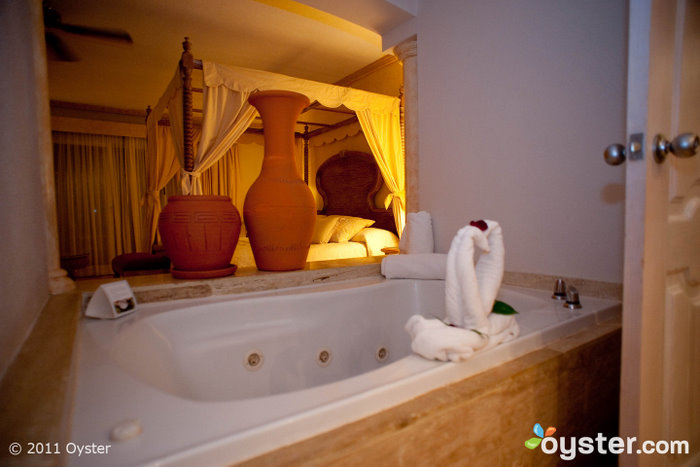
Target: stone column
{"x": 406, "y": 53}
{"x": 59, "y": 282}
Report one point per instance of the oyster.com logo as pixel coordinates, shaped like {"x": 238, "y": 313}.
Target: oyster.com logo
{"x": 535, "y": 441}
{"x": 569, "y": 447}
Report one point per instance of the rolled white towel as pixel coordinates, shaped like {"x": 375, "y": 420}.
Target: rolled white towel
{"x": 419, "y": 266}
{"x": 434, "y": 340}
{"x": 417, "y": 236}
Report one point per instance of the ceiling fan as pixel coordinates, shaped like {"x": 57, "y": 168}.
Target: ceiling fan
{"x": 56, "y": 48}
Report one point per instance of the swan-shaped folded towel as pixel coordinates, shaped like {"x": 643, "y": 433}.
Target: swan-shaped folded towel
{"x": 417, "y": 236}
{"x": 470, "y": 291}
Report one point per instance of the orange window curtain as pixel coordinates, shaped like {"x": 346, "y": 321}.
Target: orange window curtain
{"x": 100, "y": 182}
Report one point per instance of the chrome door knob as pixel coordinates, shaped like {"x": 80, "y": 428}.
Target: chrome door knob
{"x": 615, "y": 154}
{"x": 684, "y": 145}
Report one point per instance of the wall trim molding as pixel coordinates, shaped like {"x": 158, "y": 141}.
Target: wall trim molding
{"x": 97, "y": 127}
{"x": 363, "y": 72}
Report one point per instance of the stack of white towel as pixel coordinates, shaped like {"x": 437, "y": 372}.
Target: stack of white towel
{"x": 470, "y": 292}
{"x": 417, "y": 236}
{"x": 417, "y": 260}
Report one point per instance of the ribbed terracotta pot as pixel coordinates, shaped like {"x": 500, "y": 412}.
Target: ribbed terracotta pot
{"x": 200, "y": 233}
{"x": 279, "y": 209}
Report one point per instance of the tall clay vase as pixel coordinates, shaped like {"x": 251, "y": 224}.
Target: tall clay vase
{"x": 279, "y": 209}
{"x": 200, "y": 233}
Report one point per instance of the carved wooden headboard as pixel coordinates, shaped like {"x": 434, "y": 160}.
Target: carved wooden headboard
{"x": 348, "y": 182}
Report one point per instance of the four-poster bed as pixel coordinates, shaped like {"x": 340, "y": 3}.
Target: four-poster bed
{"x": 226, "y": 115}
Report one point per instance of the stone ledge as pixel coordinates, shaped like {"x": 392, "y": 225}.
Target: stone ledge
{"x": 591, "y": 288}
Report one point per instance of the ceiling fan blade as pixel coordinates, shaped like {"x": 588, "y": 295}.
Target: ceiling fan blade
{"x": 57, "y": 50}
{"x": 101, "y": 33}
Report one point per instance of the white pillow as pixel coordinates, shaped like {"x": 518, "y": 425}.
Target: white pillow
{"x": 325, "y": 225}
{"x": 376, "y": 239}
{"x": 347, "y": 227}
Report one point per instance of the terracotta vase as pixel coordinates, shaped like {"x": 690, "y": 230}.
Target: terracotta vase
{"x": 200, "y": 234}
{"x": 279, "y": 209}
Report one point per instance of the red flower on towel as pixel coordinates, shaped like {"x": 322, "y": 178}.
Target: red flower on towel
{"x": 480, "y": 224}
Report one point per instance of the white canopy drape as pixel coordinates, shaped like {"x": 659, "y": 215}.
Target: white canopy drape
{"x": 227, "y": 114}
{"x": 161, "y": 156}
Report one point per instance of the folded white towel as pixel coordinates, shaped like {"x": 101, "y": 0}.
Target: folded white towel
{"x": 504, "y": 328}
{"x": 434, "y": 340}
{"x": 418, "y": 266}
{"x": 417, "y": 236}
{"x": 470, "y": 290}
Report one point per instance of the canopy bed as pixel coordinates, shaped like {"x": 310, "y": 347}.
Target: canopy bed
{"x": 227, "y": 114}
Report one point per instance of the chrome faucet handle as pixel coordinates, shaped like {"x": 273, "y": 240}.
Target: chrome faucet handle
{"x": 572, "y": 300}
{"x": 559, "y": 290}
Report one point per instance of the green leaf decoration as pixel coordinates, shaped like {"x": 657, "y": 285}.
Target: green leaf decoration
{"x": 532, "y": 443}
{"x": 503, "y": 308}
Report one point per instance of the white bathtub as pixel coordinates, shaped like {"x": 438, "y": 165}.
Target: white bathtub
{"x": 327, "y": 355}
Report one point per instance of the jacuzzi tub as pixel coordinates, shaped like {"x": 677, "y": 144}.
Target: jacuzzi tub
{"x": 219, "y": 380}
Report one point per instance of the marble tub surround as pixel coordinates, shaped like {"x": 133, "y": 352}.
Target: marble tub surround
{"x": 160, "y": 287}
{"x": 592, "y": 288}
{"x": 572, "y": 384}
{"x": 163, "y": 287}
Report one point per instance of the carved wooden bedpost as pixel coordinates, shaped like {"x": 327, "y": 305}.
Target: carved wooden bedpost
{"x": 186, "y": 66}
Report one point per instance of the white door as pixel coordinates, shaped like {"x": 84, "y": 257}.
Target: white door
{"x": 660, "y": 380}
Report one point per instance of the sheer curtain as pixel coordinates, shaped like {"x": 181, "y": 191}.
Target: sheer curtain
{"x": 222, "y": 178}
{"x": 100, "y": 182}
{"x": 227, "y": 114}
{"x": 383, "y": 133}
{"x": 161, "y": 168}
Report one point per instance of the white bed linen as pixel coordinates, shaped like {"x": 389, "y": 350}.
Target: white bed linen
{"x": 376, "y": 240}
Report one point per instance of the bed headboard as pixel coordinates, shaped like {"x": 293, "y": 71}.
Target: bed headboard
{"x": 348, "y": 182}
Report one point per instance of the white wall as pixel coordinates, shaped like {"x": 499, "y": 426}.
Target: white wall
{"x": 517, "y": 101}
{"x": 23, "y": 272}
